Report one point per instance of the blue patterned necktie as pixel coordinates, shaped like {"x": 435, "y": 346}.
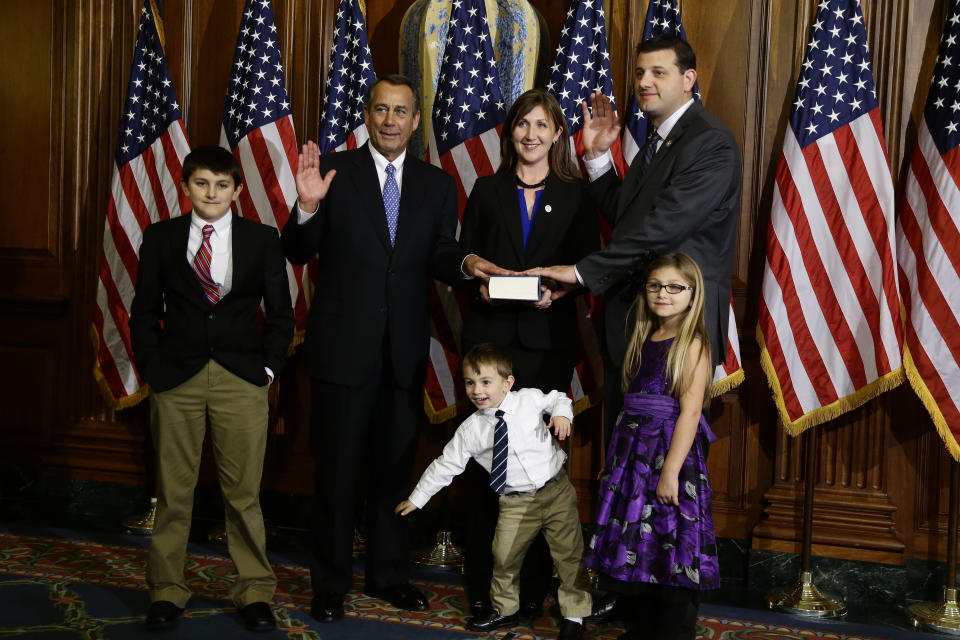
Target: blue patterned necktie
{"x": 650, "y": 149}
{"x": 391, "y": 202}
{"x": 498, "y": 468}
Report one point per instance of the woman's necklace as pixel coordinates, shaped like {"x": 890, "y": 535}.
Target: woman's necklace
{"x": 521, "y": 183}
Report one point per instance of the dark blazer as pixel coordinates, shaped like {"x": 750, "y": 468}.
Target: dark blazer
{"x": 175, "y": 331}
{"x": 564, "y": 234}
{"x": 686, "y": 200}
{"x": 365, "y": 287}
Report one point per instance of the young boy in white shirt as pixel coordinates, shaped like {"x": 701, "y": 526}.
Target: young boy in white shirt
{"x": 526, "y": 469}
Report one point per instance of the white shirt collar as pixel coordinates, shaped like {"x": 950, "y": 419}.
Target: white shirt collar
{"x": 381, "y": 161}
{"x": 220, "y": 227}
{"x": 667, "y": 125}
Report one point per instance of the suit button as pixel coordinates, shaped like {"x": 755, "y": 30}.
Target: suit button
{"x": 212, "y": 316}
{"x": 210, "y": 349}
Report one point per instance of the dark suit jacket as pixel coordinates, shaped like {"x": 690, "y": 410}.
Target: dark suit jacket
{"x": 686, "y": 200}
{"x": 364, "y": 287}
{"x": 175, "y": 331}
{"x": 564, "y": 234}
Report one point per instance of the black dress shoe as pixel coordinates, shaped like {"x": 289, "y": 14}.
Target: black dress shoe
{"x": 531, "y": 611}
{"x": 479, "y": 609}
{"x": 491, "y": 621}
{"x": 570, "y": 630}
{"x": 162, "y": 615}
{"x": 258, "y": 617}
{"x": 604, "y": 609}
{"x": 402, "y": 596}
{"x": 326, "y": 607}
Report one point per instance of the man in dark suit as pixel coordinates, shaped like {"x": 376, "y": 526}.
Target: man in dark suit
{"x": 380, "y": 222}
{"x": 682, "y": 193}
{"x": 198, "y": 343}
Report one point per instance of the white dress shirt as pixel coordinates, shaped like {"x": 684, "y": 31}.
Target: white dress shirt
{"x": 533, "y": 456}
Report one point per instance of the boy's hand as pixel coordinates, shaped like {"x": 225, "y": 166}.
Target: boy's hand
{"x": 560, "y": 426}
{"x": 405, "y": 508}
{"x": 668, "y": 489}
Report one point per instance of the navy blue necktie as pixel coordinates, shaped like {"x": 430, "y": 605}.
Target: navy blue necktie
{"x": 498, "y": 468}
{"x": 650, "y": 149}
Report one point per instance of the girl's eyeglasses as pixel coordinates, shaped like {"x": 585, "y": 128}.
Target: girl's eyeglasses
{"x": 672, "y": 287}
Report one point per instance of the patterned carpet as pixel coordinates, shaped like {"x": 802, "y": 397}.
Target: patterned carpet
{"x": 65, "y": 588}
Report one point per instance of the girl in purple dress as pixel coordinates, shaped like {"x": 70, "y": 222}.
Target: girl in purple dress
{"x": 654, "y": 538}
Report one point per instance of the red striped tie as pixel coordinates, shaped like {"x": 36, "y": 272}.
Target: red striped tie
{"x": 201, "y": 266}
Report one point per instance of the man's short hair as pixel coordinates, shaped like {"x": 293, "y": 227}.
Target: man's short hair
{"x": 686, "y": 58}
{"x": 397, "y": 80}
{"x": 212, "y": 158}
{"x": 488, "y": 354}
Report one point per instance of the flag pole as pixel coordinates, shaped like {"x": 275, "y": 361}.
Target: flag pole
{"x": 804, "y": 599}
{"x": 944, "y": 616}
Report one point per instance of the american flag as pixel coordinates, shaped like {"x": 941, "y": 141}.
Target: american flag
{"x": 581, "y": 67}
{"x": 663, "y": 16}
{"x": 829, "y": 318}
{"x": 258, "y": 129}
{"x": 349, "y": 77}
{"x": 467, "y": 115}
{"x": 145, "y": 188}
{"x": 928, "y": 245}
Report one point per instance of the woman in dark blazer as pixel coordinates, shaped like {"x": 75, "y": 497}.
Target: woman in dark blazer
{"x": 533, "y": 211}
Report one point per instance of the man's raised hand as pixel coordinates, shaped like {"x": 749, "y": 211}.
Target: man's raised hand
{"x": 600, "y": 128}
{"x": 311, "y": 186}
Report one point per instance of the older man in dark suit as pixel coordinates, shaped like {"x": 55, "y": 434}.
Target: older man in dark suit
{"x": 682, "y": 193}
{"x": 380, "y": 222}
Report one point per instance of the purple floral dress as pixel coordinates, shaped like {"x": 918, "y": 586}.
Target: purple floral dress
{"x": 637, "y": 539}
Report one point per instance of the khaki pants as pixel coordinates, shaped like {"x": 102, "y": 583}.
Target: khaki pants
{"x": 553, "y": 510}
{"x": 238, "y": 425}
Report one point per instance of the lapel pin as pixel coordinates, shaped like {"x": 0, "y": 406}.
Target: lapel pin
{"x": 668, "y": 143}
{"x": 548, "y": 208}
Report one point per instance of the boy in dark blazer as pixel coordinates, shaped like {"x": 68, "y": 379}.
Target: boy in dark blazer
{"x": 198, "y": 343}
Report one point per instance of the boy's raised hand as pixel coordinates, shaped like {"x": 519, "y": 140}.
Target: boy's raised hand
{"x": 404, "y": 508}
{"x": 561, "y": 426}
{"x": 311, "y": 186}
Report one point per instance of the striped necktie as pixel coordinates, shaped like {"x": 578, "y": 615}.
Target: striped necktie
{"x": 201, "y": 266}
{"x": 498, "y": 468}
{"x": 650, "y": 149}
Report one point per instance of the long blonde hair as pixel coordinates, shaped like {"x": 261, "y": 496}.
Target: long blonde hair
{"x": 691, "y": 327}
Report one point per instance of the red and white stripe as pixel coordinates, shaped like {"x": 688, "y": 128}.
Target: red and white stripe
{"x": 142, "y": 191}
{"x": 928, "y": 252}
{"x": 829, "y": 313}
{"x": 476, "y": 157}
{"x": 355, "y": 139}
{"x": 268, "y": 157}
{"x": 729, "y": 374}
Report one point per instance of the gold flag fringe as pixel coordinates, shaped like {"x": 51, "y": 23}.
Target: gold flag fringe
{"x": 834, "y": 409}
{"x": 122, "y": 403}
{"x": 727, "y": 383}
{"x": 920, "y": 388}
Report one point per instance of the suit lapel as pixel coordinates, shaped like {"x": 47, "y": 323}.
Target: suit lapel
{"x": 179, "y": 252}
{"x": 543, "y": 226}
{"x": 368, "y": 192}
{"x": 642, "y": 174}
{"x": 509, "y": 200}
{"x": 239, "y": 246}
